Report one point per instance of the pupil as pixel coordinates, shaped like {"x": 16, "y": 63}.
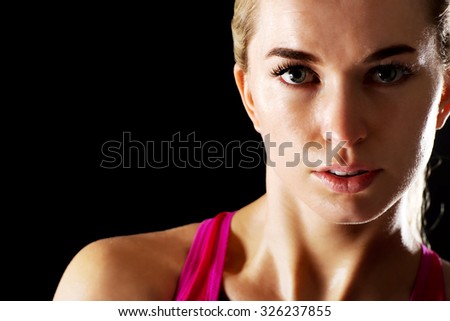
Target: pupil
{"x": 297, "y": 76}
{"x": 387, "y": 75}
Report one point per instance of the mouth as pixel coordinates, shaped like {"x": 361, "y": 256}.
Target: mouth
{"x": 347, "y": 180}
{"x": 347, "y": 174}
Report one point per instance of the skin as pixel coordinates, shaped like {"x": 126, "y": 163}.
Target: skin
{"x": 301, "y": 240}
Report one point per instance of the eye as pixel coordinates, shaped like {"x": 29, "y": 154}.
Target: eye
{"x": 389, "y": 74}
{"x": 295, "y": 75}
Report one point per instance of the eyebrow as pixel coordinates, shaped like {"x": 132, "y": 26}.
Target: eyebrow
{"x": 389, "y": 52}
{"x": 292, "y": 54}
{"x": 305, "y": 56}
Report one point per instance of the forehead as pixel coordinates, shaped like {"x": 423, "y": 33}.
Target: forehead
{"x": 340, "y": 24}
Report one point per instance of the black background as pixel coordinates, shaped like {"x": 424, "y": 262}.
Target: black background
{"x": 97, "y": 72}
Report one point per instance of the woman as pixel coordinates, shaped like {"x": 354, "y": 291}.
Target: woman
{"x": 347, "y": 96}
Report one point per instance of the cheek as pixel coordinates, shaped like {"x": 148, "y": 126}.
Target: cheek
{"x": 286, "y": 127}
{"x": 281, "y": 110}
{"x": 425, "y": 141}
{"x": 411, "y": 126}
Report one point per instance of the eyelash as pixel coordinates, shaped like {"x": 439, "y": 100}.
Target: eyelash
{"x": 406, "y": 70}
{"x": 282, "y": 68}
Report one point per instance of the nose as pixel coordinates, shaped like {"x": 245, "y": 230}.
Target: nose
{"x": 343, "y": 114}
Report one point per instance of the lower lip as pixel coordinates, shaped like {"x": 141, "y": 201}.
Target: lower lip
{"x": 350, "y": 185}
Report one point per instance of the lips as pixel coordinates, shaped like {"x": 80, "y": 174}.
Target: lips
{"x": 344, "y": 174}
{"x": 347, "y": 179}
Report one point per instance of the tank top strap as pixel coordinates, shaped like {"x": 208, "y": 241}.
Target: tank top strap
{"x": 201, "y": 276}
{"x": 429, "y": 285}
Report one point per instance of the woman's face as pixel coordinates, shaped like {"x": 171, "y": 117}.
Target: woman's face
{"x": 322, "y": 73}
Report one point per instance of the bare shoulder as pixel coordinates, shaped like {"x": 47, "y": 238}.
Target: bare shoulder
{"x": 134, "y": 267}
{"x": 446, "y": 267}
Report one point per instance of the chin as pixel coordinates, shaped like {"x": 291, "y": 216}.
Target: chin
{"x": 355, "y": 220}
{"x": 351, "y": 211}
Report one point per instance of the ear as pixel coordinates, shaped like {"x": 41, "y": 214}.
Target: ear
{"x": 240, "y": 78}
{"x": 444, "y": 106}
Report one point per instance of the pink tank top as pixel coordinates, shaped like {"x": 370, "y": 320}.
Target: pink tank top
{"x": 201, "y": 276}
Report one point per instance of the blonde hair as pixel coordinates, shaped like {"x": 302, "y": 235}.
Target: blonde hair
{"x": 441, "y": 14}
{"x": 243, "y": 27}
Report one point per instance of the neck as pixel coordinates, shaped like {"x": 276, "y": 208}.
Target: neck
{"x": 309, "y": 258}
